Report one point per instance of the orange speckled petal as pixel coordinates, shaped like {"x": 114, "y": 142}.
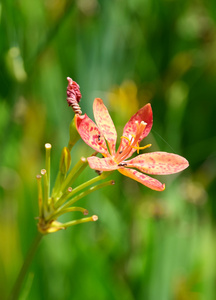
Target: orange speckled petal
{"x": 90, "y": 134}
{"x": 102, "y": 164}
{"x": 151, "y": 183}
{"x": 159, "y": 163}
{"x": 144, "y": 114}
{"x": 105, "y": 123}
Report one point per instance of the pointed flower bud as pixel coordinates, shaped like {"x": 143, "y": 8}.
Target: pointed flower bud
{"x": 65, "y": 161}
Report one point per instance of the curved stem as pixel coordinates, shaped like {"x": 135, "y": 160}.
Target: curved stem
{"x": 22, "y": 274}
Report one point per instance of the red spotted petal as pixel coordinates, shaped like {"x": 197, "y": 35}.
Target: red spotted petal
{"x": 102, "y": 164}
{"x": 144, "y": 114}
{"x": 161, "y": 163}
{"x": 151, "y": 183}
{"x": 90, "y": 134}
{"x": 105, "y": 123}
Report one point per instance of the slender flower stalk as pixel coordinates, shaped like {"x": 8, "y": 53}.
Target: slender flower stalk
{"x": 80, "y": 221}
{"x": 48, "y": 151}
{"x": 40, "y": 195}
{"x": 27, "y": 262}
{"x": 46, "y": 188}
{"x": 89, "y": 182}
{"x": 87, "y": 192}
{"x": 74, "y": 173}
{"x": 64, "y": 197}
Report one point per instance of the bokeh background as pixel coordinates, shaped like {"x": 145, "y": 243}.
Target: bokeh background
{"x": 146, "y": 244}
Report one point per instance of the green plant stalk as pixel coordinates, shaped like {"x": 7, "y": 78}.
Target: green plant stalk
{"x": 83, "y": 194}
{"x": 40, "y": 195}
{"x": 68, "y": 209}
{"x": 75, "y": 208}
{"x": 64, "y": 197}
{"x": 89, "y": 182}
{"x": 65, "y": 208}
{"x": 48, "y": 151}
{"x": 46, "y": 190}
{"x": 73, "y": 174}
{"x": 22, "y": 274}
{"x": 79, "y": 188}
{"x": 83, "y": 220}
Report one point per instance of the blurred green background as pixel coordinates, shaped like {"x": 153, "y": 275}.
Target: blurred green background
{"x": 146, "y": 245}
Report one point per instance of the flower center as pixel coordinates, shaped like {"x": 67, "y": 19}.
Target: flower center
{"x": 133, "y": 142}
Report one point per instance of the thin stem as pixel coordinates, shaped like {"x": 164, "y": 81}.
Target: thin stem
{"x": 74, "y": 173}
{"x": 70, "y": 209}
{"x": 40, "y": 195}
{"x": 46, "y": 188}
{"x": 68, "y": 194}
{"x": 83, "y": 220}
{"x": 89, "y": 182}
{"x": 63, "y": 198}
{"x": 48, "y": 150}
{"x": 83, "y": 194}
{"x": 19, "y": 281}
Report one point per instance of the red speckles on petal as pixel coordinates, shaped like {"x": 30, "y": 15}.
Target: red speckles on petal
{"x": 144, "y": 114}
{"x": 159, "y": 163}
{"x": 151, "y": 183}
{"x": 105, "y": 123}
{"x": 90, "y": 134}
{"x": 102, "y": 164}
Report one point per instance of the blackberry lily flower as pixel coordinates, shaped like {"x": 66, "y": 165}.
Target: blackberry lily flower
{"x": 102, "y": 138}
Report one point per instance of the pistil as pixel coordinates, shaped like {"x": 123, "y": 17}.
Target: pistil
{"x": 133, "y": 142}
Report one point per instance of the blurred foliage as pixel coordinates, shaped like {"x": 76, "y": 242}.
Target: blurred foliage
{"x": 145, "y": 245}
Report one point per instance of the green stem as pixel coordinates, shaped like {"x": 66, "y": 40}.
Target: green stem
{"x": 40, "y": 196}
{"x": 19, "y": 281}
{"x": 48, "y": 151}
{"x": 68, "y": 195}
{"x": 73, "y": 174}
{"x": 80, "y": 221}
{"x": 82, "y": 186}
{"x": 85, "y": 193}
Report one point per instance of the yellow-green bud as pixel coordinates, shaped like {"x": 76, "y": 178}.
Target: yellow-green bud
{"x": 65, "y": 161}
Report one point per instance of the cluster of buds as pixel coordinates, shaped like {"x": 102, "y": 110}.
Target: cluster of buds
{"x": 53, "y": 204}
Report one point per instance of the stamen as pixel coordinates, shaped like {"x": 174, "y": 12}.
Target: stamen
{"x": 141, "y": 148}
{"x": 133, "y": 142}
{"x": 136, "y": 147}
{"x": 125, "y": 137}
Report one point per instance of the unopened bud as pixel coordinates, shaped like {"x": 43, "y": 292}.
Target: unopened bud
{"x": 73, "y": 96}
{"x": 73, "y": 90}
{"x": 65, "y": 161}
